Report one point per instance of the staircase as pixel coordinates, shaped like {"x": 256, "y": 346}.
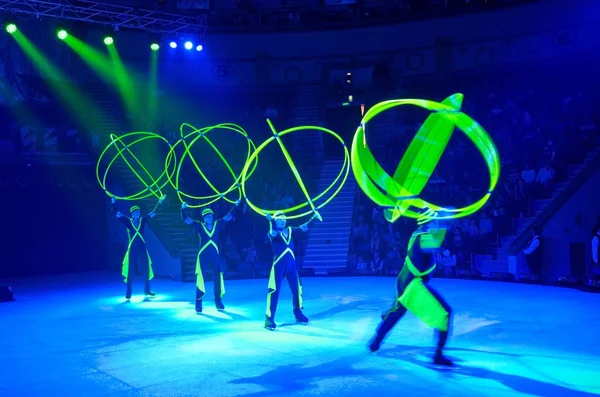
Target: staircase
{"x": 309, "y": 111}
{"x": 177, "y": 238}
{"x": 487, "y": 264}
{"x": 328, "y": 241}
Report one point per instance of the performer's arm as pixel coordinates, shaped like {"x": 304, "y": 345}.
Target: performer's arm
{"x": 532, "y": 247}
{"x": 229, "y": 215}
{"x": 152, "y": 213}
{"x": 595, "y": 242}
{"x": 115, "y": 211}
{"x": 304, "y": 226}
{"x": 187, "y": 219}
{"x": 272, "y": 230}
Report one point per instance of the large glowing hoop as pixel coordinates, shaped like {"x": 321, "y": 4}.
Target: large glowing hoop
{"x": 342, "y": 175}
{"x": 196, "y": 134}
{"x": 399, "y": 195}
{"x": 121, "y": 143}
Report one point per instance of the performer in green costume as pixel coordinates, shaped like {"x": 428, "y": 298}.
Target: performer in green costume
{"x": 284, "y": 265}
{"x": 136, "y": 254}
{"x": 209, "y": 231}
{"x": 414, "y": 294}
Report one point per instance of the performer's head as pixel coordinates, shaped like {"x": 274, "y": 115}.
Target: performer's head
{"x": 207, "y": 215}
{"x": 280, "y": 219}
{"x": 135, "y": 212}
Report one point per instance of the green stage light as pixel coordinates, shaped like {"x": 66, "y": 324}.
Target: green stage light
{"x": 62, "y": 34}
{"x": 108, "y": 40}
{"x": 11, "y": 28}
{"x": 154, "y": 47}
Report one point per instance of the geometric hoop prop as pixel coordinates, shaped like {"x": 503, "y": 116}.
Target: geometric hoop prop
{"x": 339, "y": 181}
{"x": 188, "y": 139}
{"x": 123, "y": 144}
{"x": 399, "y": 195}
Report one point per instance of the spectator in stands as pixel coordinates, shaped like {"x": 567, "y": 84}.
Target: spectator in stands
{"x": 447, "y": 261}
{"x": 528, "y": 178}
{"x": 596, "y": 250}
{"x": 544, "y": 177}
{"x": 457, "y": 244}
{"x": 485, "y": 225}
{"x": 377, "y": 264}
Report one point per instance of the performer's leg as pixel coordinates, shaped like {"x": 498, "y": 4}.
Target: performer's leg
{"x": 133, "y": 258}
{"x": 277, "y": 272}
{"x": 442, "y": 332}
{"x": 294, "y": 282}
{"x": 199, "y": 295}
{"x": 145, "y": 264}
{"x": 388, "y": 322}
{"x": 200, "y": 288}
{"x": 218, "y": 284}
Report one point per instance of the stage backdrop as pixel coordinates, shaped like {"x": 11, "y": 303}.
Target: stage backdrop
{"x": 54, "y": 220}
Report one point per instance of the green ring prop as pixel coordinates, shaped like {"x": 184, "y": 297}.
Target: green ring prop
{"x": 196, "y": 134}
{"x": 154, "y": 188}
{"x": 343, "y": 174}
{"x": 399, "y": 195}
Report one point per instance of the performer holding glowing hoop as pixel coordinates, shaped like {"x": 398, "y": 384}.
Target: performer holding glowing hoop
{"x": 284, "y": 265}
{"x": 414, "y": 293}
{"x": 208, "y": 231}
{"x": 137, "y": 253}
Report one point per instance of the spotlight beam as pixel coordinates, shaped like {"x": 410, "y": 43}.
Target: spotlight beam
{"x": 108, "y": 14}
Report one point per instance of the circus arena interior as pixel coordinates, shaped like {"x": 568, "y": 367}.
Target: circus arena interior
{"x": 166, "y": 164}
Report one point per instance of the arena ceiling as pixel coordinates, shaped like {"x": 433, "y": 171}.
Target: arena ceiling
{"x": 196, "y": 16}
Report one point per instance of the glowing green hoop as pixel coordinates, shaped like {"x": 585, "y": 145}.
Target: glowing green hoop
{"x": 154, "y": 188}
{"x": 343, "y": 174}
{"x": 399, "y": 195}
{"x": 201, "y": 133}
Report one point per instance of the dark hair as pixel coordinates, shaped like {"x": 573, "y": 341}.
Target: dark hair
{"x": 536, "y": 230}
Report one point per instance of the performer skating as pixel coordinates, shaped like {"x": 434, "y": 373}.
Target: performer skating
{"x": 415, "y": 295}
{"x": 208, "y": 231}
{"x": 284, "y": 265}
{"x": 136, "y": 254}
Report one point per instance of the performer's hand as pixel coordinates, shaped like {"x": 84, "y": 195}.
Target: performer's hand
{"x": 160, "y": 200}
{"x": 183, "y": 205}
{"x": 118, "y": 214}
{"x": 269, "y": 217}
{"x": 237, "y": 202}
{"x": 318, "y": 216}
{"x": 113, "y": 199}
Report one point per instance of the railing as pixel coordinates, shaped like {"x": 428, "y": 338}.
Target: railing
{"x": 560, "y": 200}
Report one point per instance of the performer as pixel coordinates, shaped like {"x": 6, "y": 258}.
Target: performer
{"x": 533, "y": 253}
{"x": 208, "y": 231}
{"x": 136, "y": 254}
{"x": 284, "y": 265}
{"x": 415, "y": 295}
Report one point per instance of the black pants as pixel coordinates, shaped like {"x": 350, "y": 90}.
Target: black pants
{"x": 138, "y": 263}
{"x": 392, "y": 316}
{"x": 286, "y": 267}
{"x": 534, "y": 263}
{"x": 211, "y": 261}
